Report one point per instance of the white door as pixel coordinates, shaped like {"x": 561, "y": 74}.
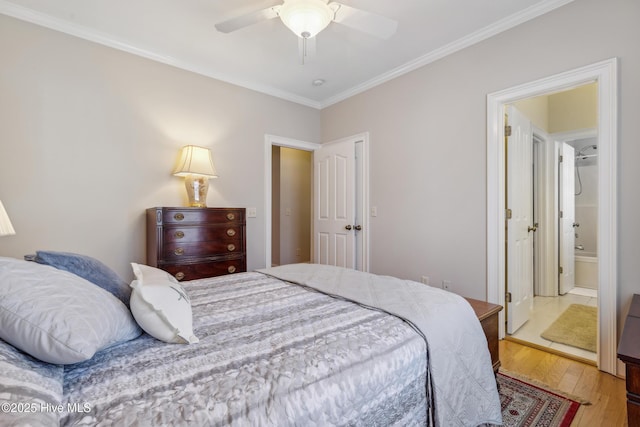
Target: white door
{"x": 567, "y": 218}
{"x": 520, "y": 227}
{"x": 334, "y": 204}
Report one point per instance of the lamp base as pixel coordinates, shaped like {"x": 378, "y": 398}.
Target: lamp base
{"x": 197, "y": 187}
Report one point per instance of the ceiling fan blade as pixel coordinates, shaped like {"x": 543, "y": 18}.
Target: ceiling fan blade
{"x": 306, "y": 49}
{"x": 248, "y": 19}
{"x": 367, "y": 22}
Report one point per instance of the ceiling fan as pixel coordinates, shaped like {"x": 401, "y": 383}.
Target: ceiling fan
{"x": 306, "y": 18}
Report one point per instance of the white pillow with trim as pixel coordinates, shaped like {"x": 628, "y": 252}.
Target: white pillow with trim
{"x": 161, "y": 306}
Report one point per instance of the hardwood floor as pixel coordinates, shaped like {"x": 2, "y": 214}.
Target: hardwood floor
{"x": 606, "y": 392}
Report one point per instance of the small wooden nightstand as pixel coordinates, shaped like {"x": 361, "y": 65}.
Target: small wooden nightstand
{"x": 488, "y": 315}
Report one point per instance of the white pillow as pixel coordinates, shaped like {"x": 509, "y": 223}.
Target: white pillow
{"x": 56, "y": 316}
{"x": 161, "y": 306}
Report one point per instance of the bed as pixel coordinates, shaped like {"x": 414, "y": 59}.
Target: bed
{"x": 283, "y": 346}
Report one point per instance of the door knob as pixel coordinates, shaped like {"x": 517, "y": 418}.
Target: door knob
{"x": 534, "y": 228}
{"x": 358, "y": 227}
{"x": 347, "y": 227}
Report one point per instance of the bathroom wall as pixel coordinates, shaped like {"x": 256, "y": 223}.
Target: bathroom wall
{"x": 574, "y": 109}
{"x": 587, "y": 200}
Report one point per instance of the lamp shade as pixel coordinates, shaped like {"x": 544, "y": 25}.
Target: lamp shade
{"x": 195, "y": 160}
{"x": 306, "y": 18}
{"x": 6, "y": 229}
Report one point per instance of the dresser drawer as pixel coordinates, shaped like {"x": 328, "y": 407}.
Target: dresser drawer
{"x": 200, "y": 216}
{"x": 187, "y": 234}
{"x": 205, "y": 269}
{"x": 633, "y": 380}
{"x": 178, "y": 251}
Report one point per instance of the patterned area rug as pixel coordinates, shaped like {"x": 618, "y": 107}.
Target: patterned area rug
{"x": 526, "y": 405}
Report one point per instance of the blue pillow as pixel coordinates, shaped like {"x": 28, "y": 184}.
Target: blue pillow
{"x": 88, "y": 268}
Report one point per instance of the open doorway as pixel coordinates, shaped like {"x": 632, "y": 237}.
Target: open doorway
{"x": 556, "y": 309}
{"x": 605, "y": 74}
{"x": 271, "y": 141}
{"x": 358, "y": 223}
{"x": 291, "y": 180}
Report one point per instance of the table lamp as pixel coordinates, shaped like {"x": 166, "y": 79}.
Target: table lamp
{"x": 196, "y": 166}
{"x": 6, "y": 229}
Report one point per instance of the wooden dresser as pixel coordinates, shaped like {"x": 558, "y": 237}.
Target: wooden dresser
{"x": 488, "y": 315}
{"x": 629, "y": 353}
{"x": 193, "y": 243}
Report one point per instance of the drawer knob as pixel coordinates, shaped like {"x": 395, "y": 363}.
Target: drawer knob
{"x": 179, "y": 234}
{"x": 179, "y": 251}
{"x": 231, "y": 216}
{"x": 179, "y": 275}
{"x": 231, "y": 269}
{"x": 231, "y": 232}
{"x": 179, "y": 216}
{"x": 231, "y": 247}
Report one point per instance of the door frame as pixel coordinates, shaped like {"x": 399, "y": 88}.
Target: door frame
{"x": 270, "y": 141}
{"x": 605, "y": 73}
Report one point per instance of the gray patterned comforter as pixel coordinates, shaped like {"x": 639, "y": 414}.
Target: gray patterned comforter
{"x": 461, "y": 387}
{"x": 270, "y": 354}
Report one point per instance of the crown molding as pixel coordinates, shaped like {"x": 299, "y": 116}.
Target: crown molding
{"x": 489, "y": 31}
{"x": 44, "y": 20}
{"x": 47, "y": 21}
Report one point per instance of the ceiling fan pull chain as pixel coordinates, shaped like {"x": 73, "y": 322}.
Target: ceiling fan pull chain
{"x": 304, "y": 49}
{"x": 335, "y": 7}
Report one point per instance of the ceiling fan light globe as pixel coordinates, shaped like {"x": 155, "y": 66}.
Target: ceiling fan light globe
{"x": 306, "y": 18}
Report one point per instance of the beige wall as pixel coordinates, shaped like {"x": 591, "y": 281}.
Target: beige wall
{"x": 570, "y": 110}
{"x": 89, "y": 136}
{"x": 573, "y": 110}
{"x": 535, "y": 109}
{"x": 275, "y": 205}
{"x": 428, "y": 142}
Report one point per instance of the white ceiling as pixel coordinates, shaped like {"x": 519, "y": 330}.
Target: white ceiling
{"x": 264, "y": 56}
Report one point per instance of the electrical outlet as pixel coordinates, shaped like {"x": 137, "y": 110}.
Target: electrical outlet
{"x": 374, "y": 211}
{"x": 446, "y": 285}
{"x": 425, "y": 280}
{"x": 298, "y": 251}
{"x": 252, "y": 212}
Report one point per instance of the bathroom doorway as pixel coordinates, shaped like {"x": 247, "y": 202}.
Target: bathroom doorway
{"x": 605, "y": 73}
{"x": 561, "y": 313}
